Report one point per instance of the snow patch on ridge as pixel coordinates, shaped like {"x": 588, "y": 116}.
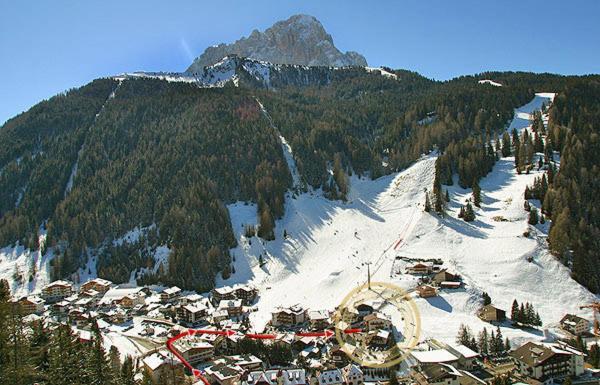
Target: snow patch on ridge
{"x": 382, "y": 72}
{"x": 490, "y": 82}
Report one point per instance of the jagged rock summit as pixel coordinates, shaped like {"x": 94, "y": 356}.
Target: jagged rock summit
{"x": 300, "y": 40}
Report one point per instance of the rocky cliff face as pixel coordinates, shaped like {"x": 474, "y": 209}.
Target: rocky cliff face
{"x": 300, "y": 40}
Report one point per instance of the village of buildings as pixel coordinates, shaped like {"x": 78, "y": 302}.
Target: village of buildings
{"x": 139, "y": 321}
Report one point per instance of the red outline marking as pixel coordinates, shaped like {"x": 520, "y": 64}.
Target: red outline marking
{"x": 326, "y": 333}
{"x": 261, "y": 336}
{"x": 398, "y": 243}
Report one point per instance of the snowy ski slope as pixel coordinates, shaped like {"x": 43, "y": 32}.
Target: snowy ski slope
{"x": 329, "y": 243}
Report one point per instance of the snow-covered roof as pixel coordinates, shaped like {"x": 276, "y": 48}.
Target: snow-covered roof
{"x": 315, "y": 315}
{"x": 245, "y": 359}
{"x": 99, "y": 281}
{"x": 193, "y": 297}
{"x": 155, "y": 360}
{"x": 59, "y": 283}
{"x": 172, "y": 290}
{"x": 419, "y": 264}
{"x": 383, "y": 334}
{"x": 223, "y": 290}
{"x": 195, "y": 307}
{"x": 117, "y": 293}
{"x": 230, "y": 303}
{"x": 296, "y": 309}
{"x": 33, "y": 299}
{"x": 85, "y": 335}
{"x": 434, "y": 356}
{"x": 184, "y": 345}
{"x": 464, "y": 351}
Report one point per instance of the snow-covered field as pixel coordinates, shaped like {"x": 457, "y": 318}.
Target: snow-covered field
{"x": 329, "y": 243}
{"x": 32, "y": 268}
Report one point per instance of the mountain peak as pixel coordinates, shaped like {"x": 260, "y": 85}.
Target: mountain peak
{"x": 301, "y": 39}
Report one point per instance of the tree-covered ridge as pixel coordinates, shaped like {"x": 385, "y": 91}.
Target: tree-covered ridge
{"x": 381, "y": 125}
{"x": 171, "y": 154}
{"x": 37, "y": 151}
{"x": 571, "y": 198}
{"x": 347, "y": 117}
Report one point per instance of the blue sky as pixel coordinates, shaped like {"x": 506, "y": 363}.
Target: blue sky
{"x": 49, "y": 46}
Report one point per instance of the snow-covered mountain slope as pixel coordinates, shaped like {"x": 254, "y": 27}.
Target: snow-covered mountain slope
{"x": 328, "y": 244}
{"x": 216, "y": 75}
{"x": 232, "y": 69}
{"x": 27, "y": 271}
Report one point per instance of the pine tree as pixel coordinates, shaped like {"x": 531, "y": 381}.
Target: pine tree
{"x": 507, "y": 344}
{"x": 127, "y": 375}
{"x": 146, "y": 378}
{"x": 15, "y": 354}
{"x": 469, "y": 214}
{"x": 493, "y": 343}
{"x": 499, "y": 340}
{"x": 550, "y": 174}
{"x": 506, "y": 150}
{"x": 522, "y": 314}
{"x": 339, "y": 175}
{"x": 39, "y": 350}
{"x": 4, "y": 290}
{"x": 476, "y": 194}
{"x": 486, "y": 298}
{"x": 559, "y": 232}
{"x": 267, "y": 224}
{"x": 538, "y": 143}
{"x": 514, "y": 312}
{"x": 533, "y": 216}
{"x": 427, "y": 203}
{"x": 226, "y": 273}
{"x": 66, "y": 359}
{"x": 537, "y": 321}
{"x": 114, "y": 359}
{"x": 464, "y": 335}
{"x": 482, "y": 342}
{"x": 529, "y": 317}
{"x": 447, "y": 196}
{"x": 98, "y": 363}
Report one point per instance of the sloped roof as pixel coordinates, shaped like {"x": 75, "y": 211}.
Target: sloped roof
{"x": 434, "y": 356}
